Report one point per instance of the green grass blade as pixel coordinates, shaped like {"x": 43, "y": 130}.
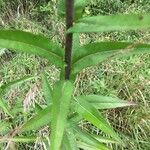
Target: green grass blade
{"x": 16, "y": 82}
{"x": 89, "y": 139}
{"x": 40, "y": 119}
{"x": 61, "y": 101}
{"x": 94, "y": 53}
{"x": 47, "y": 91}
{"x": 105, "y": 102}
{"x": 117, "y": 22}
{"x": 92, "y": 115}
{"x": 33, "y": 44}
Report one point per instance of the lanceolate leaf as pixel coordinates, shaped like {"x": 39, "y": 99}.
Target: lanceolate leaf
{"x": 94, "y": 53}
{"x": 40, "y": 119}
{"x": 105, "y": 102}
{"x": 112, "y": 23}
{"x": 92, "y": 115}
{"x": 61, "y": 101}
{"x": 89, "y": 139}
{"x": 33, "y": 44}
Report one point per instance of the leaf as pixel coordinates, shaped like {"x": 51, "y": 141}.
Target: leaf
{"x": 105, "y": 102}
{"x": 16, "y": 82}
{"x": 33, "y": 44}
{"x": 92, "y": 115}
{"x": 104, "y": 139}
{"x": 47, "y": 91}
{"x": 89, "y": 139}
{"x": 117, "y": 22}
{"x": 61, "y": 102}
{"x": 69, "y": 140}
{"x": 40, "y": 119}
{"x": 94, "y": 53}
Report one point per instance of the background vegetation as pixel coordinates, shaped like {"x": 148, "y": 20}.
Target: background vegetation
{"x": 127, "y": 79}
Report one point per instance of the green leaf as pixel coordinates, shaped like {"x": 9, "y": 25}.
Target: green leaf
{"x": 16, "y": 82}
{"x": 89, "y": 139}
{"x": 92, "y": 115}
{"x": 69, "y": 140}
{"x": 104, "y": 139}
{"x": 47, "y": 91}
{"x": 105, "y": 102}
{"x": 33, "y": 44}
{"x": 61, "y": 102}
{"x": 94, "y": 53}
{"x": 40, "y": 119}
{"x": 117, "y": 22}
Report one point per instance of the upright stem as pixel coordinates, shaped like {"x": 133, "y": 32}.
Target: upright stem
{"x": 69, "y": 37}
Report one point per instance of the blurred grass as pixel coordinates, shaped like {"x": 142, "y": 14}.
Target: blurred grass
{"x": 125, "y": 78}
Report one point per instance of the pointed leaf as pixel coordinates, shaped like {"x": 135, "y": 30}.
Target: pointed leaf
{"x": 117, "y": 22}
{"x": 94, "y": 53}
{"x": 61, "y": 101}
{"x": 40, "y": 119}
{"x": 92, "y": 115}
{"x": 105, "y": 102}
{"x": 89, "y": 139}
{"x": 47, "y": 91}
{"x": 33, "y": 44}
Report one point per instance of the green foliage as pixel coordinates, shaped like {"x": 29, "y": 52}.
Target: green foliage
{"x": 33, "y": 44}
{"x": 61, "y": 103}
{"x": 63, "y": 110}
{"x": 111, "y": 23}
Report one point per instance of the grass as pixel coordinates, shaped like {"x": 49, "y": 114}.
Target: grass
{"x": 126, "y": 78}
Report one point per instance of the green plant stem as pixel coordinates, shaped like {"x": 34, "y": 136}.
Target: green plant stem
{"x": 69, "y": 37}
